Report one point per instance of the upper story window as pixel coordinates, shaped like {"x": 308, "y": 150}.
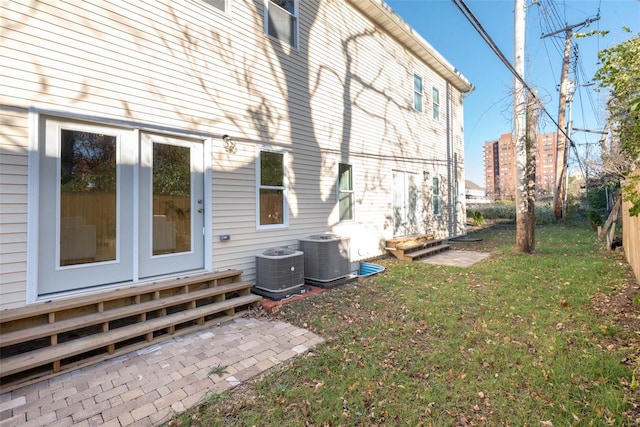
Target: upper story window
{"x": 272, "y": 194}
{"x": 436, "y": 104}
{"x": 281, "y": 20}
{"x": 222, "y": 5}
{"x": 417, "y": 92}
{"x": 345, "y": 192}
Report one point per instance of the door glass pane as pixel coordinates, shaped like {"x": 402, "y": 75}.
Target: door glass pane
{"x": 171, "y": 199}
{"x": 88, "y": 182}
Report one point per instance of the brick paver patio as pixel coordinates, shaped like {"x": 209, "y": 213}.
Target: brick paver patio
{"x": 147, "y": 387}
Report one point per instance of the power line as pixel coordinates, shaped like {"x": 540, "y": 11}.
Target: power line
{"x": 475, "y": 23}
{"x": 577, "y": 68}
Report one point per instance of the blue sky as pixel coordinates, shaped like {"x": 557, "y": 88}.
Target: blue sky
{"x": 488, "y": 110}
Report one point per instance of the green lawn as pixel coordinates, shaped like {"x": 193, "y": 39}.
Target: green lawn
{"x": 510, "y": 341}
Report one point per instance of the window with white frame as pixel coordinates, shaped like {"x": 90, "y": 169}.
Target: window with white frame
{"x": 436, "y": 103}
{"x": 272, "y": 198}
{"x": 345, "y": 192}
{"x": 222, "y": 5}
{"x": 281, "y": 20}
{"x": 436, "y": 195}
{"x": 417, "y": 92}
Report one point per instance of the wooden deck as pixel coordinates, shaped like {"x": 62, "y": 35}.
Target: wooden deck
{"x": 416, "y": 247}
{"x": 46, "y": 339}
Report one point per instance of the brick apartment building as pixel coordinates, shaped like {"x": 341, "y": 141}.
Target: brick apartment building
{"x": 500, "y": 167}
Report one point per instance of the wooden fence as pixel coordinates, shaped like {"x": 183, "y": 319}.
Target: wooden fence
{"x": 631, "y": 233}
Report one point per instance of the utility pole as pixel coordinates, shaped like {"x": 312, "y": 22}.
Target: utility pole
{"x": 571, "y": 89}
{"x": 561, "y": 141}
{"x": 524, "y": 222}
{"x": 562, "y": 152}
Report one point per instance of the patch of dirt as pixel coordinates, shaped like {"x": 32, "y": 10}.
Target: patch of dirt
{"x": 624, "y": 313}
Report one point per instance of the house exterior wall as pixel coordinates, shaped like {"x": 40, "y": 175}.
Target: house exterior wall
{"x": 345, "y": 95}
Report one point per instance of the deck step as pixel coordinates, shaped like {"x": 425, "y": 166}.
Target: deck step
{"x": 15, "y": 337}
{"x": 37, "y": 358}
{"x": 46, "y": 339}
{"x": 427, "y": 251}
{"x": 416, "y": 247}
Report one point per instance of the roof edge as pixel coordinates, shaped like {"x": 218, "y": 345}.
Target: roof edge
{"x": 383, "y": 15}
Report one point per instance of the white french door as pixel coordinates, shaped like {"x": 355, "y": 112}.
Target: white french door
{"x": 95, "y": 226}
{"x": 171, "y": 219}
{"x": 406, "y": 204}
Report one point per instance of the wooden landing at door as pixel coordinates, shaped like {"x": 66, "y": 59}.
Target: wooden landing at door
{"x": 46, "y": 339}
{"x": 416, "y": 247}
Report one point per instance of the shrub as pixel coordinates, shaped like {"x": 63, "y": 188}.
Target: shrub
{"x": 595, "y": 219}
{"x": 507, "y": 211}
{"x": 478, "y": 218}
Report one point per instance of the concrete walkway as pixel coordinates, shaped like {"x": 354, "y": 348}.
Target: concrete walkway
{"x": 147, "y": 387}
{"x": 456, "y": 258}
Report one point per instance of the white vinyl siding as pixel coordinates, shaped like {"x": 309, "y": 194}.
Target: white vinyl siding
{"x": 13, "y": 208}
{"x": 184, "y": 67}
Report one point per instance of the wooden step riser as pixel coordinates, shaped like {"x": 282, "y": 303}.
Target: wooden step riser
{"x": 101, "y": 317}
{"x": 113, "y": 295}
{"x": 419, "y": 251}
{"x": 35, "y": 358}
{"x": 432, "y": 250}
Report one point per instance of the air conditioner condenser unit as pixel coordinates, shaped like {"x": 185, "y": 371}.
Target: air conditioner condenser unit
{"x": 326, "y": 257}
{"x": 279, "y": 270}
